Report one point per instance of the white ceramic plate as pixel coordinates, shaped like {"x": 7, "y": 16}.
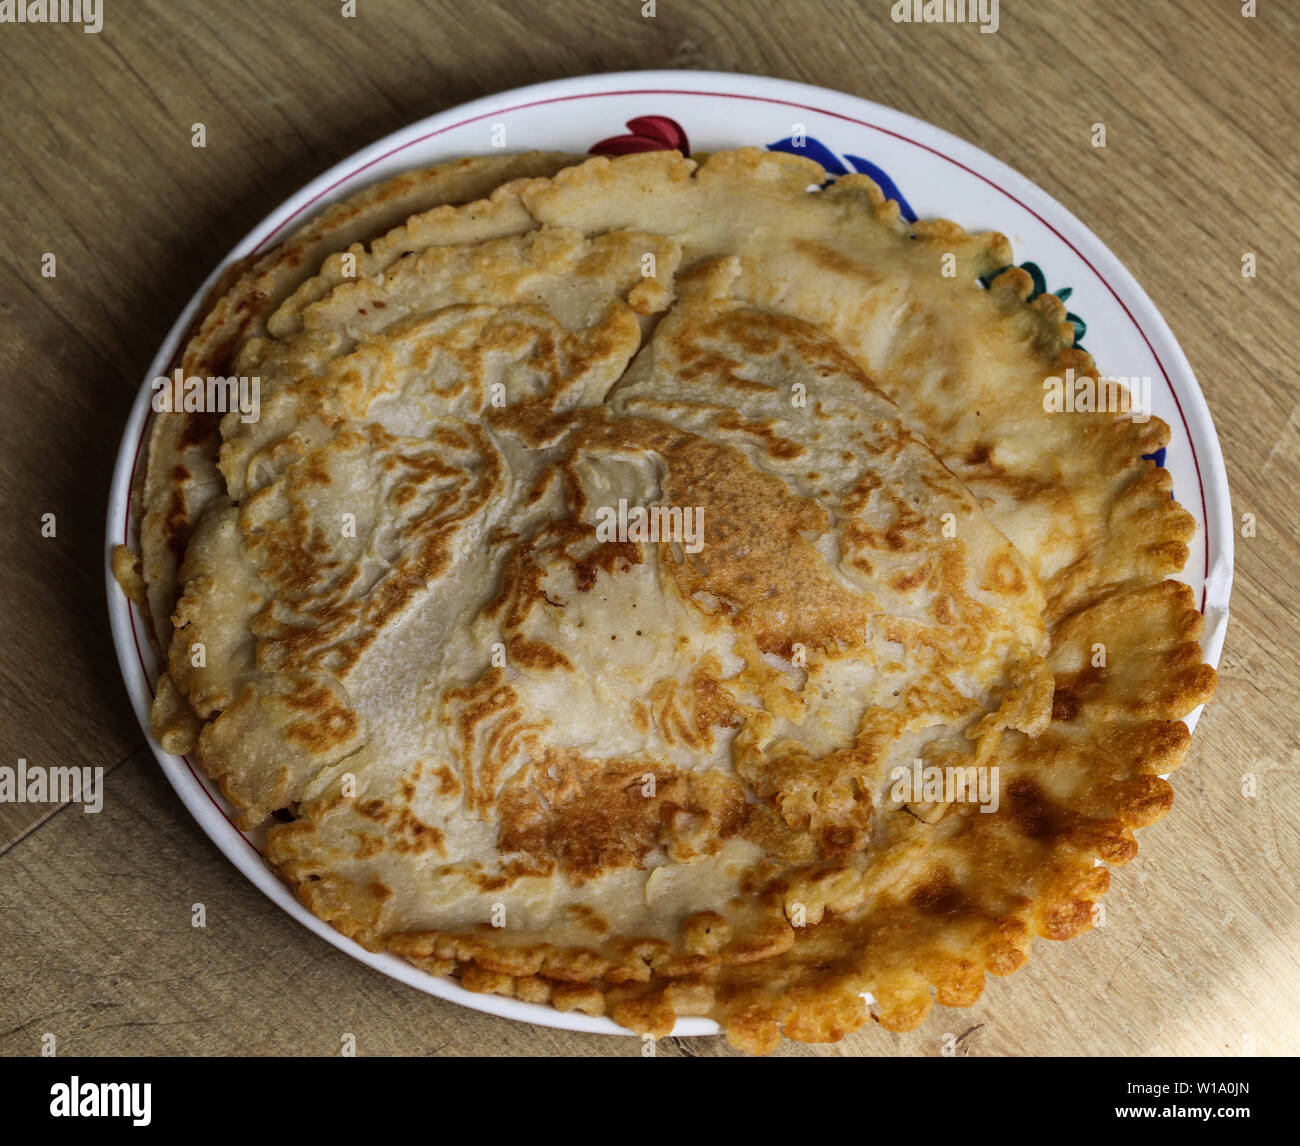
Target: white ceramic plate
{"x": 930, "y": 172}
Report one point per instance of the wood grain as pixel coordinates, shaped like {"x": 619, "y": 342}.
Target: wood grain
{"x": 1199, "y": 951}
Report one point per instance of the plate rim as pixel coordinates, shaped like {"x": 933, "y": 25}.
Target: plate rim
{"x": 195, "y": 791}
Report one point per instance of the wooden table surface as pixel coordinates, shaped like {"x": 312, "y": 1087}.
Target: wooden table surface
{"x": 1199, "y": 951}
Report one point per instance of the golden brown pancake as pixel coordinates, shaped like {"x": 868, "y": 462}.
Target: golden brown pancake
{"x": 657, "y": 589}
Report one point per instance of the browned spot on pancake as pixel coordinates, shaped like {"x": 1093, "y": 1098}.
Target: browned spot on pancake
{"x": 491, "y": 731}
{"x": 449, "y": 436}
{"x": 906, "y": 529}
{"x": 907, "y": 581}
{"x": 605, "y": 557}
{"x": 1004, "y": 575}
{"x": 1073, "y": 690}
{"x": 330, "y": 725}
{"x": 588, "y": 917}
{"x": 592, "y": 817}
{"x": 641, "y": 716}
{"x": 512, "y": 872}
{"x": 313, "y": 471}
{"x": 176, "y": 528}
{"x": 938, "y": 895}
{"x": 688, "y": 714}
{"x": 199, "y": 429}
{"x": 537, "y": 655}
{"x": 762, "y": 335}
{"x": 829, "y": 259}
{"x": 1032, "y": 811}
{"x": 755, "y": 559}
{"x": 776, "y": 445}
{"x": 414, "y": 836}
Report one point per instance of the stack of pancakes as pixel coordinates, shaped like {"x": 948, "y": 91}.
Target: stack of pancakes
{"x": 650, "y": 777}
